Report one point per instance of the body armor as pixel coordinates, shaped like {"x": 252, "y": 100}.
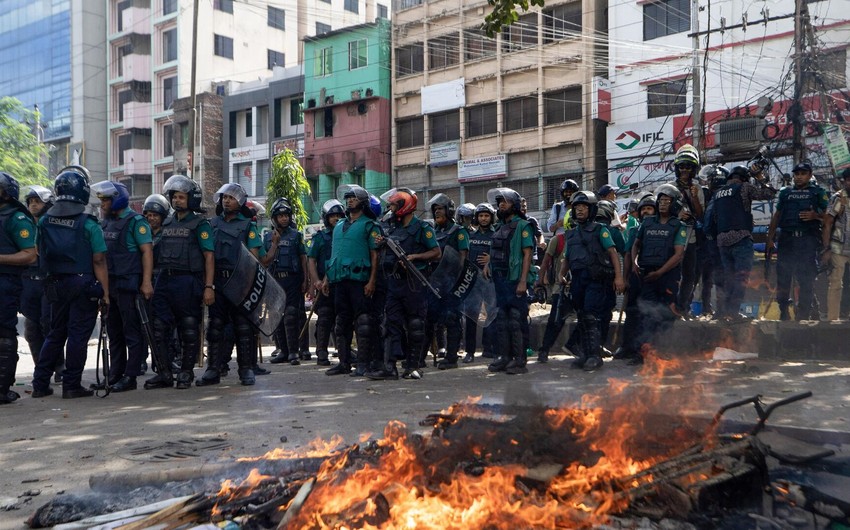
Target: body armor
{"x": 179, "y": 248}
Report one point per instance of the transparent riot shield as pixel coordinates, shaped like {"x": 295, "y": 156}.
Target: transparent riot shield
{"x": 462, "y": 285}
{"x": 255, "y": 292}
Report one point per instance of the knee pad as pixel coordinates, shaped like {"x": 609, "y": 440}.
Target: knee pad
{"x": 242, "y": 328}
{"x": 189, "y": 329}
{"x": 215, "y": 330}
{"x": 364, "y": 325}
{"x": 416, "y": 329}
{"x": 161, "y": 330}
{"x": 590, "y": 321}
{"x": 514, "y": 320}
{"x": 32, "y": 330}
{"x": 324, "y": 312}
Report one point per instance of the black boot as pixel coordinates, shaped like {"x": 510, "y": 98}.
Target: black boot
{"x": 517, "y": 366}
{"x": 591, "y": 340}
{"x": 212, "y": 374}
{"x": 8, "y": 365}
{"x": 387, "y": 372}
{"x": 499, "y": 364}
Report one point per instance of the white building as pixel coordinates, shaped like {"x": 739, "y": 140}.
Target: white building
{"x": 746, "y": 72}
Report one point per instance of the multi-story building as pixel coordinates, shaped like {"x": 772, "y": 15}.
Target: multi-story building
{"x": 149, "y": 65}
{"x": 52, "y": 56}
{"x": 472, "y": 112}
{"x": 746, "y": 67}
{"x": 347, "y": 109}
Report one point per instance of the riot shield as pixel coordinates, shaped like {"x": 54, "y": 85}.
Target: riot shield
{"x": 462, "y": 285}
{"x": 255, "y": 292}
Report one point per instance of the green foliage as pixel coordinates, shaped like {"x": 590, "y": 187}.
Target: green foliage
{"x": 20, "y": 152}
{"x": 504, "y": 14}
{"x": 288, "y": 181}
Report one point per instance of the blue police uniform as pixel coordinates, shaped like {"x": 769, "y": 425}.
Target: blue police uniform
{"x": 736, "y": 259}
{"x": 440, "y": 314}
{"x": 799, "y": 244}
{"x": 17, "y": 232}
{"x": 67, "y": 245}
{"x": 36, "y": 310}
{"x": 287, "y": 269}
{"x": 319, "y": 249}
{"x": 480, "y": 241}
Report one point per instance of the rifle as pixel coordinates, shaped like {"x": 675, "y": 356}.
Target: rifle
{"x": 159, "y": 357}
{"x": 411, "y": 268}
{"x": 103, "y": 351}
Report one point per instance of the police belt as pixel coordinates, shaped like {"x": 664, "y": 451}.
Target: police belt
{"x": 798, "y": 233}
{"x": 33, "y": 277}
{"x": 281, "y": 274}
{"x": 177, "y": 272}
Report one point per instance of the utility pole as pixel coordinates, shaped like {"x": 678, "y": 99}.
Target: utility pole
{"x": 696, "y": 79}
{"x": 800, "y": 14}
{"x": 190, "y": 155}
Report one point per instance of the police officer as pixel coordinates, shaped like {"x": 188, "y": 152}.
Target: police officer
{"x": 605, "y": 214}
{"x": 465, "y": 216}
{"x": 17, "y": 252}
{"x": 594, "y": 265}
{"x": 799, "y": 212}
{"x": 560, "y": 210}
{"x": 353, "y": 269}
{"x": 658, "y": 249}
{"x": 733, "y": 232}
{"x": 510, "y": 264}
{"x": 448, "y": 233}
{"x": 156, "y": 209}
{"x": 710, "y": 265}
{"x": 129, "y": 258}
{"x": 287, "y": 263}
{"x": 73, "y": 251}
{"x": 318, "y": 254}
{"x": 686, "y": 165}
{"x": 185, "y": 281}
{"x": 34, "y": 305}
{"x": 232, "y": 227}
{"x": 480, "y": 243}
{"x": 406, "y": 304}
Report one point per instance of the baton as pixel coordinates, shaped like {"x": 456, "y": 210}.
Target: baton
{"x": 103, "y": 357}
{"x": 144, "y": 319}
{"x": 310, "y": 316}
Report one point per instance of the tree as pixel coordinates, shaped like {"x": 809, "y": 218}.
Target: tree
{"x": 288, "y": 181}
{"x": 21, "y": 154}
{"x": 504, "y": 14}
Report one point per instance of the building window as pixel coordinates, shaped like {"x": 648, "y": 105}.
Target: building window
{"x": 276, "y": 59}
{"x": 666, "y": 17}
{"x": 296, "y": 111}
{"x": 183, "y": 128}
{"x": 322, "y": 28}
{"x": 409, "y": 59}
{"x": 323, "y": 123}
{"x": 357, "y": 54}
{"x": 444, "y": 126}
{"x": 481, "y": 120}
{"x": 223, "y": 5}
{"x": 521, "y": 34}
{"x": 125, "y": 96}
{"x": 443, "y": 51}
{"x": 169, "y": 92}
{"x": 223, "y": 46}
{"x": 410, "y": 132}
{"x": 562, "y": 105}
{"x": 119, "y": 9}
{"x": 561, "y": 22}
{"x": 168, "y": 140}
{"x": 277, "y": 18}
{"x": 125, "y": 141}
{"x": 169, "y": 45}
{"x": 666, "y": 99}
{"x": 324, "y": 62}
{"x": 169, "y": 6}
{"x": 249, "y": 123}
{"x": 477, "y": 45}
{"x": 406, "y": 4}
{"x": 520, "y": 113}
{"x": 351, "y": 5}
{"x": 382, "y": 11}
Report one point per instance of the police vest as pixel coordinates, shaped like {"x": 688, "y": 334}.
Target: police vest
{"x": 500, "y": 258}
{"x": 63, "y": 246}
{"x": 286, "y": 258}
{"x": 7, "y": 244}
{"x": 480, "y": 242}
{"x": 155, "y": 239}
{"x": 729, "y": 213}
{"x": 408, "y": 238}
{"x": 443, "y": 236}
{"x": 350, "y": 258}
{"x": 796, "y": 201}
{"x": 119, "y": 260}
{"x": 229, "y": 236}
{"x": 326, "y": 236}
{"x": 584, "y": 249}
{"x": 657, "y": 245}
{"x": 179, "y": 248}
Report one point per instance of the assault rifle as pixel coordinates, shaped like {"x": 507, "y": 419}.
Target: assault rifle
{"x": 411, "y": 268}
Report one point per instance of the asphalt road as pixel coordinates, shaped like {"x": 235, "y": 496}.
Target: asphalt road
{"x": 54, "y": 445}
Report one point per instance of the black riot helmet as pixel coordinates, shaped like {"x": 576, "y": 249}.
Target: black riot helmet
{"x": 569, "y": 186}
{"x": 497, "y": 195}
{"x": 183, "y": 184}
{"x": 72, "y": 189}
{"x": 587, "y": 198}
{"x": 347, "y": 191}
{"x": 12, "y": 192}
{"x": 647, "y": 199}
{"x": 465, "y": 210}
{"x": 739, "y": 172}
{"x": 671, "y": 191}
{"x": 441, "y": 199}
{"x": 606, "y": 212}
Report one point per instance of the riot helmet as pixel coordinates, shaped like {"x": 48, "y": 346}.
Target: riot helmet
{"x": 183, "y": 184}
{"x": 404, "y": 200}
{"x": 497, "y": 195}
{"x": 43, "y": 194}
{"x": 331, "y": 207}
{"x": 606, "y": 211}
{"x": 686, "y": 157}
{"x": 632, "y": 206}
{"x": 238, "y": 193}
{"x": 739, "y": 172}
{"x": 72, "y": 191}
{"x": 485, "y": 208}
{"x": 647, "y": 199}
{"x": 442, "y": 200}
{"x": 348, "y": 191}
{"x": 10, "y": 186}
{"x": 568, "y": 187}
{"x": 157, "y": 204}
{"x": 672, "y": 192}
{"x": 588, "y": 198}
{"x": 114, "y": 191}
{"x": 465, "y": 210}
{"x": 281, "y": 207}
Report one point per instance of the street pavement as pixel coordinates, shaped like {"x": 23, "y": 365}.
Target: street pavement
{"x": 53, "y": 445}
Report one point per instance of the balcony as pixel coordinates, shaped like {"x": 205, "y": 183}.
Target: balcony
{"x": 137, "y": 162}
{"x": 137, "y": 115}
{"x": 137, "y": 68}
{"x": 136, "y": 20}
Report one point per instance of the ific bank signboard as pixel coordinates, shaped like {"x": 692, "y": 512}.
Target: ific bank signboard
{"x": 652, "y": 136}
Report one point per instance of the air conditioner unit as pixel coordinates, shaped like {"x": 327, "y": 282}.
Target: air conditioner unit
{"x": 311, "y": 103}
{"x": 369, "y": 92}
{"x": 739, "y": 134}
